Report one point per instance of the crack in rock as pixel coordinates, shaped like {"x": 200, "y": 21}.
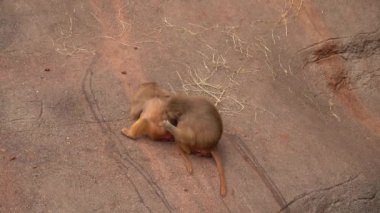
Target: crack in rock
{"x": 350, "y": 195}
{"x": 359, "y": 46}
{"x": 311, "y": 193}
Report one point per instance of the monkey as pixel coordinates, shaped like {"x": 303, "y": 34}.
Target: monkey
{"x": 147, "y": 108}
{"x": 198, "y": 130}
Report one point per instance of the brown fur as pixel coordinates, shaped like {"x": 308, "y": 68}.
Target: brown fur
{"x": 199, "y": 129}
{"x": 147, "y": 108}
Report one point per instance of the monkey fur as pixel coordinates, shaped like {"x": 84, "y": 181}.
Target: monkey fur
{"x": 148, "y": 109}
{"x": 198, "y": 130}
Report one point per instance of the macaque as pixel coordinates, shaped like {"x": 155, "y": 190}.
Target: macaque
{"x": 198, "y": 130}
{"x": 147, "y": 108}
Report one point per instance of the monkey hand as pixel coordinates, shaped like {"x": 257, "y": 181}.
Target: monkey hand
{"x": 127, "y": 132}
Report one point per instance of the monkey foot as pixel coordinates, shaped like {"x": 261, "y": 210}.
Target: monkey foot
{"x": 125, "y": 131}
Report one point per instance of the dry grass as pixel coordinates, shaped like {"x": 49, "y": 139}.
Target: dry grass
{"x": 331, "y": 105}
{"x": 197, "y": 85}
{"x": 238, "y": 44}
{"x": 216, "y": 75}
{"x": 213, "y": 75}
{"x": 65, "y": 45}
{"x": 120, "y": 36}
{"x": 290, "y": 11}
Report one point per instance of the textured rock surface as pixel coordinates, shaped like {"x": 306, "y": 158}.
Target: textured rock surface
{"x": 297, "y": 84}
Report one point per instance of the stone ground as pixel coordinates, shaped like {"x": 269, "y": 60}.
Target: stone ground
{"x": 297, "y": 84}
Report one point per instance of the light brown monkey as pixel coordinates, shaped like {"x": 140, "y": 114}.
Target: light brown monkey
{"x": 199, "y": 129}
{"x": 148, "y": 109}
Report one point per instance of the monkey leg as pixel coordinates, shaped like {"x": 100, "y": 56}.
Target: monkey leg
{"x": 183, "y": 136}
{"x": 185, "y": 156}
{"x": 218, "y": 160}
{"x": 138, "y": 129}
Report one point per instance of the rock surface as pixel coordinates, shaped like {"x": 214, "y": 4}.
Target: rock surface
{"x": 297, "y": 84}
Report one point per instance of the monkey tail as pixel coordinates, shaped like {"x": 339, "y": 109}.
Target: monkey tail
{"x": 219, "y": 165}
